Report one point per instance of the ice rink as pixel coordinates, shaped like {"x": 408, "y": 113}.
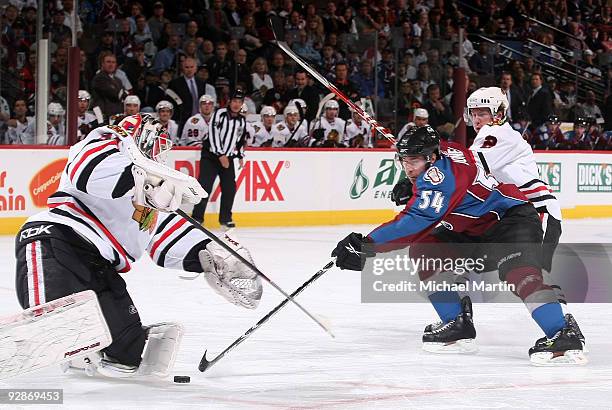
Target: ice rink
{"x": 375, "y": 361}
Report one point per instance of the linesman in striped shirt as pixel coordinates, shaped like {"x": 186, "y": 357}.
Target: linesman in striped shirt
{"x": 226, "y": 140}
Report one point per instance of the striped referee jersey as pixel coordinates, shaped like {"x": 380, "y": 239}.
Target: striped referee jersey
{"x": 226, "y": 134}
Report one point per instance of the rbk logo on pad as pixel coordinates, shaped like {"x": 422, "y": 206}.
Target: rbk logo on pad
{"x": 34, "y": 231}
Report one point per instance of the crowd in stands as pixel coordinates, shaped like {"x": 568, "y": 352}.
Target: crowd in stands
{"x": 396, "y": 56}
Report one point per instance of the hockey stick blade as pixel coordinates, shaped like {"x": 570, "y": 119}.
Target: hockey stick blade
{"x": 206, "y": 364}
{"x": 251, "y": 266}
{"x": 331, "y": 87}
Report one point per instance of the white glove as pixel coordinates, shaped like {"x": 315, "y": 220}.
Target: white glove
{"x": 228, "y": 276}
{"x": 166, "y": 197}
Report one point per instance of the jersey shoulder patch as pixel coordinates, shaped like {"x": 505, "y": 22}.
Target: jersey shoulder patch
{"x": 434, "y": 176}
{"x": 280, "y": 127}
{"x": 256, "y": 128}
{"x": 195, "y": 120}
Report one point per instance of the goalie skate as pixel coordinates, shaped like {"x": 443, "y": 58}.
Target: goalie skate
{"x": 456, "y": 336}
{"x": 59, "y": 331}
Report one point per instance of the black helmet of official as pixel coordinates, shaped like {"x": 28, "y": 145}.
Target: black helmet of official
{"x": 418, "y": 141}
{"x": 238, "y": 93}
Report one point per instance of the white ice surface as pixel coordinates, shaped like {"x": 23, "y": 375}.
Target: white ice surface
{"x": 375, "y": 361}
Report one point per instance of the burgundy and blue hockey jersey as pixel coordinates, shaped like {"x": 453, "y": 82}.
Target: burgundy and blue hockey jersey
{"x": 455, "y": 192}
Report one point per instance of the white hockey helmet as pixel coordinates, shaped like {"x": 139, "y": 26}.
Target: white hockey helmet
{"x": 164, "y": 105}
{"x": 331, "y": 104}
{"x": 84, "y": 95}
{"x": 55, "y": 109}
{"x": 297, "y": 101}
{"x": 493, "y": 98}
{"x": 421, "y": 113}
{"x": 149, "y": 135}
{"x": 131, "y": 99}
{"x": 267, "y": 110}
{"x": 290, "y": 109}
{"x": 207, "y": 98}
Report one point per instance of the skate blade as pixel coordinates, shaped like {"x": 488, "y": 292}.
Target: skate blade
{"x": 462, "y": 346}
{"x": 569, "y": 358}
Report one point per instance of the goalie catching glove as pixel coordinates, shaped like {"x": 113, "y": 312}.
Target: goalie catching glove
{"x": 228, "y": 276}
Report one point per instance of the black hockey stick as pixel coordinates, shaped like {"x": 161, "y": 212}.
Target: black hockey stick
{"x": 250, "y": 266}
{"x": 331, "y": 87}
{"x": 206, "y": 364}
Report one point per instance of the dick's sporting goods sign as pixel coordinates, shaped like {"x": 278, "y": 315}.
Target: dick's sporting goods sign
{"x": 594, "y": 177}
{"x": 550, "y": 173}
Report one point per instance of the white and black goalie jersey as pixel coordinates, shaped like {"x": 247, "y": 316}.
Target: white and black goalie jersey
{"x": 95, "y": 199}
{"x": 502, "y": 152}
{"x": 195, "y": 131}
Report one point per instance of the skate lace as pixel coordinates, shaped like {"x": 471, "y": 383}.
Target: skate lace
{"x": 440, "y": 326}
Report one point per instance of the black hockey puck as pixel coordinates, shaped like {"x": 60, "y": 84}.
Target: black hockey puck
{"x": 182, "y": 379}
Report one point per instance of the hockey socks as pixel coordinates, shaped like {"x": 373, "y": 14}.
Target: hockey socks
{"x": 447, "y": 304}
{"x": 550, "y": 318}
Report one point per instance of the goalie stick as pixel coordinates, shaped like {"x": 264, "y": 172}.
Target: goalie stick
{"x": 331, "y": 87}
{"x": 252, "y": 267}
{"x": 207, "y": 364}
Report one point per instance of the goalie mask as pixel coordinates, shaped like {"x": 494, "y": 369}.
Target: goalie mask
{"x": 149, "y": 135}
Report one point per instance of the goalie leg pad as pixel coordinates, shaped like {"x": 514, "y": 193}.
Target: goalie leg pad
{"x": 158, "y": 357}
{"x": 52, "y": 333}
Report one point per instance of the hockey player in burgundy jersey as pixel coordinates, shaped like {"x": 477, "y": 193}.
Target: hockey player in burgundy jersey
{"x": 452, "y": 190}
{"x": 115, "y": 203}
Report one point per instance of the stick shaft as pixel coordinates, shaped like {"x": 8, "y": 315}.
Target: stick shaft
{"x": 331, "y": 87}
{"x": 250, "y": 266}
{"x": 205, "y": 364}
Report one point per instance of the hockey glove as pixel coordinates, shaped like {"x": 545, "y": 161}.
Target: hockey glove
{"x": 228, "y": 276}
{"x": 350, "y": 252}
{"x": 402, "y": 192}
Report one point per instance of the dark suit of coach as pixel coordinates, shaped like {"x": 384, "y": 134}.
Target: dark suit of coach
{"x": 189, "y": 89}
{"x": 540, "y": 103}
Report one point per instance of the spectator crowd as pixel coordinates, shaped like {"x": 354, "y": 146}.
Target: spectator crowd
{"x": 182, "y": 59}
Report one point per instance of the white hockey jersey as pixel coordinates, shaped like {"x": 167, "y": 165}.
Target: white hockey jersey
{"x": 18, "y": 134}
{"x": 258, "y": 134}
{"x": 194, "y": 131}
{"x": 95, "y": 199}
{"x": 353, "y": 130}
{"x": 503, "y": 153}
{"x": 281, "y": 133}
{"x": 88, "y": 119}
{"x": 56, "y": 135}
{"x": 172, "y": 129}
{"x": 331, "y": 130}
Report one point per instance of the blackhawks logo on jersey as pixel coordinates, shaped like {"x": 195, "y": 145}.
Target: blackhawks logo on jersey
{"x": 146, "y": 217}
